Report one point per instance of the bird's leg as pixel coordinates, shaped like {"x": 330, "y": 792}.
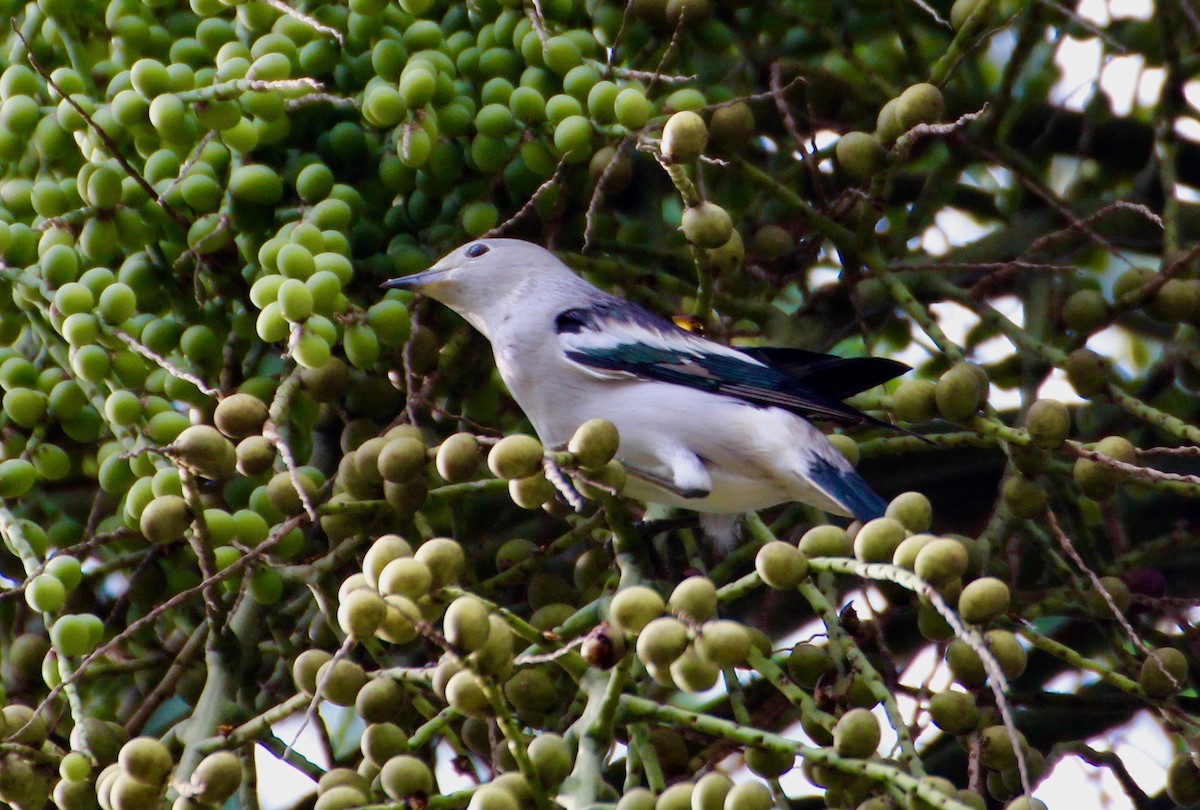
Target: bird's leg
{"x": 554, "y": 475}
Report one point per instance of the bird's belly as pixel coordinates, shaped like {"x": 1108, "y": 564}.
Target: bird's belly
{"x": 750, "y": 453}
{"x": 729, "y": 495}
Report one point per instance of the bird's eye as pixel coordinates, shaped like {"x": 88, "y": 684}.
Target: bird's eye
{"x": 475, "y": 251}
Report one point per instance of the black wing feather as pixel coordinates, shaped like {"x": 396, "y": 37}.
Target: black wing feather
{"x": 833, "y": 376}
{"x": 809, "y": 384}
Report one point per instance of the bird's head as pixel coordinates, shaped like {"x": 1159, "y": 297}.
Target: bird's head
{"x": 479, "y": 278}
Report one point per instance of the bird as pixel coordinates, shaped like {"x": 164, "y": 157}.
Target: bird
{"x": 703, "y": 426}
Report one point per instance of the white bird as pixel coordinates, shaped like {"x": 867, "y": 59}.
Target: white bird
{"x": 702, "y": 426}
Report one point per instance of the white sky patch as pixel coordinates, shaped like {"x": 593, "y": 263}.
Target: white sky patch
{"x": 1187, "y": 194}
{"x": 1094, "y": 11}
{"x": 1117, "y": 345}
{"x": 995, "y": 349}
{"x": 823, "y": 138}
{"x": 279, "y": 784}
{"x": 951, "y": 228}
{"x": 1150, "y": 85}
{"x": 1119, "y": 81}
{"x": 1191, "y": 94}
{"x": 1131, "y": 9}
{"x": 1188, "y": 128}
{"x": 1057, "y": 387}
{"x": 1141, "y": 745}
{"x": 955, "y": 319}
{"x": 1080, "y": 62}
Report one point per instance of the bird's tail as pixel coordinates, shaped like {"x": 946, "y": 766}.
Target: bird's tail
{"x": 847, "y": 488}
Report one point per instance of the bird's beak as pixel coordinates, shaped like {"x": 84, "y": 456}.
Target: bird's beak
{"x": 415, "y": 281}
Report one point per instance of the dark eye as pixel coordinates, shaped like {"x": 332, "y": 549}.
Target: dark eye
{"x": 475, "y": 251}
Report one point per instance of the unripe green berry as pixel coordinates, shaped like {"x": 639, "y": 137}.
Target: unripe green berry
{"x": 1183, "y": 780}
{"x": 878, "y": 539}
{"x": 983, "y": 599}
{"x": 146, "y": 760}
{"x": 707, "y": 225}
{"x": 1087, "y": 372}
{"x": 860, "y": 155}
{"x": 516, "y": 456}
{"x": 632, "y": 608}
{"x": 466, "y": 624}
{"x": 240, "y": 415}
{"x": 694, "y": 597}
{"x": 912, "y": 509}
{"x": 1164, "y": 672}
{"x": 1048, "y": 422}
{"x": 857, "y": 734}
{"x": 941, "y": 562}
{"x": 914, "y": 401}
{"x": 684, "y": 138}
{"x": 217, "y": 777}
{"x": 781, "y": 566}
{"x": 960, "y": 392}
{"x": 808, "y": 663}
{"x": 1116, "y": 592}
{"x": 826, "y": 541}
{"x": 662, "y": 641}
{"x": 1024, "y": 496}
{"x": 458, "y": 458}
{"x": 724, "y": 643}
{"x": 954, "y": 712}
{"x": 919, "y": 104}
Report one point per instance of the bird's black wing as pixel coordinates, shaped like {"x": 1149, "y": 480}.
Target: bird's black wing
{"x": 615, "y": 338}
{"x": 828, "y": 374}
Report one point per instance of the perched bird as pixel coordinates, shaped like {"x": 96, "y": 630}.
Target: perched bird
{"x": 702, "y": 426}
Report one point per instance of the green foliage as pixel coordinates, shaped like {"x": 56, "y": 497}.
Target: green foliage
{"x": 236, "y": 480}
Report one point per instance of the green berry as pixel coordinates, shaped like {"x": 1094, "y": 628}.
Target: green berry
{"x": 707, "y": 225}
{"x": 217, "y": 777}
{"x": 516, "y": 456}
{"x": 723, "y": 643}
{"x": 1164, "y": 672}
{"x": 919, "y": 104}
{"x": 1183, "y": 780}
{"x": 694, "y": 597}
{"x": 594, "y": 444}
{"x": 857, "y": 734}
{"x": 165, "y": 519}
{"x": 631, "y": 108}
{"x": 1048, "y": 422}
{"x": 983, "y": 600}
{"x": 941, "y": 562}
{"x": 954, "y": 712}
{"x": 632, "y": 608}
{"x": 458, "y": 458}
{"x": 1087, "y": 372}
{"x": 662, "y": 641}
{"x": 466, "y": 624}
{"x": 807, "y": 664}
{"x": 912, "y": 509}
{"x": 146, "y": 759}
{"x": 405, "y": 776}
{"x": 860, "y": 155}
{"x": 781, "y": 566}
{"x": 1085, "y": 311}
{"x": 878, "y": 539}
{"x": 960, "y": 392}
{"x": 45, "y": 594}
{"x": 684, "y": 139}
{"x": 1113, "y": 602}
{"x": 826, "y": 541}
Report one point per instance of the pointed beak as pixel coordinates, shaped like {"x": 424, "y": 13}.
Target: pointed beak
{"x": 415, "y": 281}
